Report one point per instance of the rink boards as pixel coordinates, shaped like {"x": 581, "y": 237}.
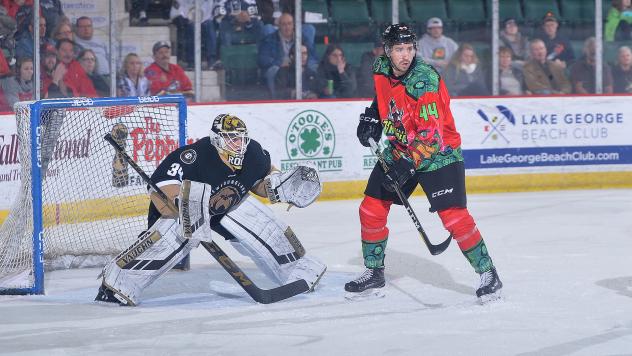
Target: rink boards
{"x": 510, "y": 144}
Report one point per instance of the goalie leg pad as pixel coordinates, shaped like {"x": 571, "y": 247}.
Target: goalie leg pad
{"x": 255, "y": 232}
{"x": 193, "y": 210}
{"x": 155, "y": 252}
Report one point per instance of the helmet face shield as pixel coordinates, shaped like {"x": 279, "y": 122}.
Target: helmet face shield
{"x": 230, "y": 136}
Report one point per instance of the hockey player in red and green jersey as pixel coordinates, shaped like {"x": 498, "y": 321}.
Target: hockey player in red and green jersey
{"x": 411, "y": 117}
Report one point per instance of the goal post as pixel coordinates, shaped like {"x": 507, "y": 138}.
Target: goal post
{"x": 78, "y": 203}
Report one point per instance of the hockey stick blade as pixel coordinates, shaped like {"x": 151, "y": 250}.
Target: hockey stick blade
{"x": 263, "y": 296}
{"x": 434, "y": 249}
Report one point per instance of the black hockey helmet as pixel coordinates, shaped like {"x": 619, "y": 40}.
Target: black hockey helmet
{"x": 397, "y": 34}
{"x": 229, "y": 135}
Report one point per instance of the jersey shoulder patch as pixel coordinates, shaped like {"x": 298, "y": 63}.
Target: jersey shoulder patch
{"x": 188, "y": 156}
{"x": 422, "y": 79}
{"x": 382, "y": 66}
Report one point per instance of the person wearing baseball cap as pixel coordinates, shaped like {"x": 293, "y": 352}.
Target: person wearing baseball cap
{"x": 165, "y": 77}
{"x": 511, "y": 37}
{"x": 558, "y": 46}
{"x": 435, "y": 48}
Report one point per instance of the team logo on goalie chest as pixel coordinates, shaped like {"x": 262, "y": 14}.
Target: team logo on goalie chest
{"x": 225, "y": 197}
{"x": 188, "y": 156}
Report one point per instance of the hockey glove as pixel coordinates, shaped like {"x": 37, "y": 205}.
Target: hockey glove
{"x": 369, "y": 126}
{"x": 398, "y": 173}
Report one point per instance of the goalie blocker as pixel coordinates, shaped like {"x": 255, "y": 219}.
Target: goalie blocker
{"x": 211, "y": 179}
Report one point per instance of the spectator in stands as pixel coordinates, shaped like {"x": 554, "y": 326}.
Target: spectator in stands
{"x": 20, "y": 86}
{"x": 557, "y": 45}
{"x": 77, "y": 81}
{"x": 464, "y": 75}
{"x": 271, "y": 10}
{"x": 336, "y": 78}
{"x": 273, "y": 51}
{"x": 63, "y": 31}
{"x": 583, "y": 71}
{"x": 238, "y": 16}
{"x": 52, "y": 74}
{"x": 622, "y": 71}
{"x": 510, "y": 36}
{"x": 85, "y": 38}
{"x": 619, "y": 21}
{"x": 89, "y": 62}
{"x": 435, "y": 48}
{"x": 5, "y": 69}
{"x": 50, "y": 9}
{"x": 24, "y": 46}
{"x": 12, "y": 6}
{"x": 182, "y": 17}
{"x": 510, "y": 74}
{"x": 165, "y": 77}
{"x": 54, "y": 13}
{"x": 132, "y": 80}
{"x": 7, "y": 32}
{"x": 139, "y": 10}
{"x": 286, "y": 78}
{"x": 543, "y": 76}
{"x": 366, "y": 88}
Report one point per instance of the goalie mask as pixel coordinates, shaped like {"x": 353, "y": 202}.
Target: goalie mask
{"x": 229, "y": 135}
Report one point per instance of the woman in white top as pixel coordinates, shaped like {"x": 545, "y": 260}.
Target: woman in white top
{"x": 132, "y": 81}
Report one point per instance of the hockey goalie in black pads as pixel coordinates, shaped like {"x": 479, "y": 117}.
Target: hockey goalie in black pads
{"x": 210, "y": 181}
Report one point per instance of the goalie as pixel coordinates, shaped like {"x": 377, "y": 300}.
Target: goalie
{"x": 209, "y": 181}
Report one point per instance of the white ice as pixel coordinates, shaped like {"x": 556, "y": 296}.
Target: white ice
{"x": 564, "y": 258}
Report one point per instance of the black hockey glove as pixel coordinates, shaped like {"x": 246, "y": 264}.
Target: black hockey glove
{"x": 369, "y": 126}
{"x": 398, "y": 173}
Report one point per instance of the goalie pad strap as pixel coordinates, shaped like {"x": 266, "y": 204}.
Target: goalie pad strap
{"x": 280, "y": 259}
{"x": 155, "y": 252}
{"x": 193, "y": 211}
{"x": 255, "y": 232}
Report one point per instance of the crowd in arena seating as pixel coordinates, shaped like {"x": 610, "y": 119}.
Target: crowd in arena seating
{"x": 536, "y": 57}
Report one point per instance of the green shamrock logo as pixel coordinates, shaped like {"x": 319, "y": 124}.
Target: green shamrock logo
{"x": 311, "y": 140}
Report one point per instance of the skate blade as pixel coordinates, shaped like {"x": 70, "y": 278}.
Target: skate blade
{"x": 373, "y": 293}
{"x": 489, "y": 298}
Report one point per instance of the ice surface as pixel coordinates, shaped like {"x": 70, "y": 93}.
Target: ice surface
{"x": 564, "y": 258}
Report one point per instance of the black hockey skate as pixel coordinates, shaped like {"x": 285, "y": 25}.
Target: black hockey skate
{"x": 107, "y": 295}
{"x": 490, "y": 286}
{"x": 367, "y": 284}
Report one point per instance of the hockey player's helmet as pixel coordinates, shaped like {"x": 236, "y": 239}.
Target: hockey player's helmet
{"x": 397, "y": 34}
{"x": 229, "y": 135}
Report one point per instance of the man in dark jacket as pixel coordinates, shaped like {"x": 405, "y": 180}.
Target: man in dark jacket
{"x": 273, "y": 51}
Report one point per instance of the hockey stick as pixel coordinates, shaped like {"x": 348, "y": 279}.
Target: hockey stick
{"x": 434, "y": 249}
{"x": 263, "y": 296}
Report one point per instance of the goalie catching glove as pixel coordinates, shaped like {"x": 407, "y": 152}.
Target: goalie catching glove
{"x": 299, "y": 186}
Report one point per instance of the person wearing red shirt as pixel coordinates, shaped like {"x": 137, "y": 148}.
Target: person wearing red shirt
{"x": 75, "y": 78}
{"x": 164, "y": 77}
{"x": 411, "y": 118}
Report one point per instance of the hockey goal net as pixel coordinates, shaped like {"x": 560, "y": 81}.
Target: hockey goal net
{"x": 79, "y": 203}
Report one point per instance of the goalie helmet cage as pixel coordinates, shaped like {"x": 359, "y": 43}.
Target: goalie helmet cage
{"x": 79, "y": 204}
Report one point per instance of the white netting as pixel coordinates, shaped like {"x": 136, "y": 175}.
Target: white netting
{"x": 93, "y": 204}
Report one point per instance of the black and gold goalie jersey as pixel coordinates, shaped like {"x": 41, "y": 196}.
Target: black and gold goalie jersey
{"x": 200, "y": 162}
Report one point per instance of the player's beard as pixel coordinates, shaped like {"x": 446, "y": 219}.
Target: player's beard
{"x": 399, "y": 67}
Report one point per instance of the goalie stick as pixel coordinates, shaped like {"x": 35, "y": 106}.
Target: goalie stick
{"x": 434, "y": 249}
{"x": 263, "y": 296}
